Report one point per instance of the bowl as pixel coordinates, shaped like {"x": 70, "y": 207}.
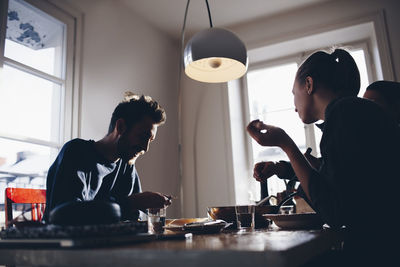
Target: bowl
{"x": 228, "y": 214}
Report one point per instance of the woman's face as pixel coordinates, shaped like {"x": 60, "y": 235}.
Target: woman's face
{"x": 303, "y": 101}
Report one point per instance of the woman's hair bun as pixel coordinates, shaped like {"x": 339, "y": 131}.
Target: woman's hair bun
{"x": 347, "y": 71}
{"x": 337, "y": 71}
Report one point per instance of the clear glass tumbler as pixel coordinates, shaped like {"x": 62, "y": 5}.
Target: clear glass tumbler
{"x": 245, "y": 217}
{"x": 156, "y": 220}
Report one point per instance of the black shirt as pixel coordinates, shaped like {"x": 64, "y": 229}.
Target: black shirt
{"x": 359, "y": 152}
{"x": 80, "y": 173}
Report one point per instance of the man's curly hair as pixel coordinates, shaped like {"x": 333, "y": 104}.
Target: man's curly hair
{"x": 134, "y": 107}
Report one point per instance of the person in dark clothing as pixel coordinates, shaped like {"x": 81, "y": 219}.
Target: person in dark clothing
{"x": 359, "y": 150}
{"x": 387, "y": 95}
{"x": 104, "y": 170}
{"x": 384, "y": 93}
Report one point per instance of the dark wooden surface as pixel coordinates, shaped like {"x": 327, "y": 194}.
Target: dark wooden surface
{"x": 272, "y": 247}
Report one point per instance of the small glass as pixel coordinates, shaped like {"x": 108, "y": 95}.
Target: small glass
{"x": 156, "y": 220}
{"x": 245, "y": 217}
{"x": 286, "y": 210}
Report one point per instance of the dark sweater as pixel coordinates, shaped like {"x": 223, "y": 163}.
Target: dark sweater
{"x": 80, "y": 173}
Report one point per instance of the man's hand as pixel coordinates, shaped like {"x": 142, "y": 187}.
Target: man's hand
{"x": 267, "y": 135}
{"x": 146, "y": 200}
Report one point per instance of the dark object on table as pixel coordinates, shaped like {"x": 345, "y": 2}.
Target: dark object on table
{"x": 228, "y": 214}
{"x": 22, "y": 224}
{"x": 85, "y": 213}
{"x": 207, "y": 227}
{"x": 77, "y": 231}
{"x": 53, "y": 236}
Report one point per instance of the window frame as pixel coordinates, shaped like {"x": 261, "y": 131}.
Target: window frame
{"x": 69, "y": 112}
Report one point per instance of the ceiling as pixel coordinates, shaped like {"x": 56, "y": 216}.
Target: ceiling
{"x": 168, "y": 15}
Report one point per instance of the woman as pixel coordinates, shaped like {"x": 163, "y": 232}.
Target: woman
{"x": 358, "y": 148}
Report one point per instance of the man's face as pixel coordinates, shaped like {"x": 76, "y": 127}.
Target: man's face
{"x": 135, "y": 141}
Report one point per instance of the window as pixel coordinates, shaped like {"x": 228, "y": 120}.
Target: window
{"x": 270, "y": 99}
{"x": 36, "y": 59}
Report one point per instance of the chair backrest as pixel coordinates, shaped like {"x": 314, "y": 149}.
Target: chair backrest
{"x": 35, "y": 197}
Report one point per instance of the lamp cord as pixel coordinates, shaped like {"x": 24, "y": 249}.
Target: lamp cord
{"x": 209, "y": 14}
{"x": 184, "y": 21}
{"x": 180, "y": 108}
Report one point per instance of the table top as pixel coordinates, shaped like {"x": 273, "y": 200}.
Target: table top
{"x": 266, "y": 247}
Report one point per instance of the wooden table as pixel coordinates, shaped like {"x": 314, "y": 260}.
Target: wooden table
{"x": 259, "y": 248}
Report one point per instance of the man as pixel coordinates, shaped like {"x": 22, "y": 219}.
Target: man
{"x": 104, "y": 170}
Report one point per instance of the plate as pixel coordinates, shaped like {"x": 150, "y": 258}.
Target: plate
{"x": 309, "y": 220}
{"x": 199, "y": 226}
{"x": 176, "y": 225}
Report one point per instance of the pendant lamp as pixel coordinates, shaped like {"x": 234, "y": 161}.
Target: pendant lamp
{"x": 214, "y": 55}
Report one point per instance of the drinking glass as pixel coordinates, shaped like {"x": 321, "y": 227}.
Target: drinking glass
{"x": 245, "y": 217}
{"x": 156, "y": 220}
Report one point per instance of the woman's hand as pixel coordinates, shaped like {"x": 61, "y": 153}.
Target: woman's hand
{"x": 264, "y": 170}
{"x": 267, "y": 135}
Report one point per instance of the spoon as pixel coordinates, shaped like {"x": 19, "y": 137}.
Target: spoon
{"x": 262, "y": 201}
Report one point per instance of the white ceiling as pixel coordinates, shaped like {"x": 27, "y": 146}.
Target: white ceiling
{"x": 168, "y": 15}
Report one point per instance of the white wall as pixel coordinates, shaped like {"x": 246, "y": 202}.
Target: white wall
{"x": 121, "y": 52}
{"x": 211, "y": 161}
{"x": 204, "y": 149}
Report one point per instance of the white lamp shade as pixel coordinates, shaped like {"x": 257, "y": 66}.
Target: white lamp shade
{"x": 215, "y": 55}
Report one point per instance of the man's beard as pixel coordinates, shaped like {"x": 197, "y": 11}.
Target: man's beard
{"x": 125, "y": 152}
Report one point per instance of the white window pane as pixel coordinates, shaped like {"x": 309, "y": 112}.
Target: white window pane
{"x": 23, "y": 164}
{"x": 34, "y": 38}
{"x": 21, "y": 157}
{"x": 270, "y": 89}
{"x": 275, "y": 185}
{"x": 318, "y": 136}
{"x": 291, "y": 123}
{"x": 271, "y": 100}
{"x": 288, "y": 121}
{"x": 29, "y": 106}
{"x": 359, "y": 58}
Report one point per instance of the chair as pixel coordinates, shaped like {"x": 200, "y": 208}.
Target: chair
{"x": 35, "y": 197}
